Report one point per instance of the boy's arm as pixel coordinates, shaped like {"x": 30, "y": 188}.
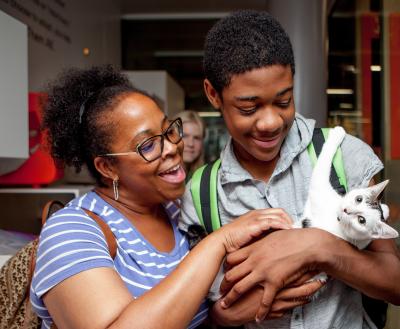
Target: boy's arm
{"x": 374, "y": 271}
{"x": 271, "y": 263}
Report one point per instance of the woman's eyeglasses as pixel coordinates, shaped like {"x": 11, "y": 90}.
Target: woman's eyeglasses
{"x": 151, "y": 149}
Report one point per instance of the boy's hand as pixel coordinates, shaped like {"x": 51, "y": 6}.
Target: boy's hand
{"x": 244, "y": 310}
{"x": 274, "y": 262}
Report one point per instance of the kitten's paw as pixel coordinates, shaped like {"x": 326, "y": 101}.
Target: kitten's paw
{"x": 321, "y": 277}
{"x": 306, "y": 222}
{"x": 214, "y": 296}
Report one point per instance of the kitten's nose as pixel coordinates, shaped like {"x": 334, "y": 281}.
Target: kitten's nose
{"x": 345, "y": 210}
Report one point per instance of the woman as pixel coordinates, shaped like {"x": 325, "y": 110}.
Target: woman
{"x": 96, "y": 118}
{"x": 193, "y": 137}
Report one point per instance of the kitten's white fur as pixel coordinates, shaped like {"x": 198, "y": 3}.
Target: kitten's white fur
{"x": 357, "y": 217}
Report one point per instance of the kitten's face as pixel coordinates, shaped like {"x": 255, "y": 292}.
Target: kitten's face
{"x": 363, "y": 216}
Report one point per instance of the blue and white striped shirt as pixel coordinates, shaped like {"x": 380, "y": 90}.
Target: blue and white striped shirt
{"x": 71, "y": 242}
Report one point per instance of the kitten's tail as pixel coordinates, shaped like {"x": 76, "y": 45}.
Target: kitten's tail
{"x": 323, "y": 166}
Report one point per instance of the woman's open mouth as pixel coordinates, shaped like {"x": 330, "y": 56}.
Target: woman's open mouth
{"x": 174, "y": 175}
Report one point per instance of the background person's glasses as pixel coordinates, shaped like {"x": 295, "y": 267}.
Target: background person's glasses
{"x": 151, "y": 149}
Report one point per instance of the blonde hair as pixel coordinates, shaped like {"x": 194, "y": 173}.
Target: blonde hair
{"x": 193, "y": 116}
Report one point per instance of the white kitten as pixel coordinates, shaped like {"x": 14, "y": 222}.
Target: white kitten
{"x": 357, "y": 217}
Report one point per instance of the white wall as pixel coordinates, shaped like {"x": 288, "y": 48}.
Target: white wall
{"x": 162, "y": 86}
{"x": 59, "y": 30}
{"x": 13, "y": 89}
{"x": 175, "y": 97}
{"x": 57, "y": 33}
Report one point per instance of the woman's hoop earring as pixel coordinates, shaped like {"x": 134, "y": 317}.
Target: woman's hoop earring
{"x": 115, "y": 188}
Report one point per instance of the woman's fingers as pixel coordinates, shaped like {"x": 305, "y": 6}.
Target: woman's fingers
{"x": 275, "y": 315}
{"x": 277, "y": 213}
{"x": 249, "y": 227}
{"x": 283, "y": 306}
{"x": 283, "y": 215}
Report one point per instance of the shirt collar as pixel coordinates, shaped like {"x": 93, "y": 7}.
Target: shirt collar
{"x": 299, "y": 136}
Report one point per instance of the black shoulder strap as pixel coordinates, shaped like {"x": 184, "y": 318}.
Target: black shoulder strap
{"x": 205, "y": 197}
{"x": 318, "y": 141}
{"x": 204, "y": 194}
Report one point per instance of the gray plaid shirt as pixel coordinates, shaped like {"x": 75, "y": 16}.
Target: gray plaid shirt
{"x": 339, "y": 306}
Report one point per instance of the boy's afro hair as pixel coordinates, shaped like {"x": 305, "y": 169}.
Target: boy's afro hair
{"x": 243, "y": 41}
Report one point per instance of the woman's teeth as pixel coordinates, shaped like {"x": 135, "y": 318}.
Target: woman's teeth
{"x": 171, "y": 170}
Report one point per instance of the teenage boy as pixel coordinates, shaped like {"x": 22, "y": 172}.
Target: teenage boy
{"x": 249, "y": 69}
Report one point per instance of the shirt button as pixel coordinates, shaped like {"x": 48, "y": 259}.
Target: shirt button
{"x": 296, "y": 316}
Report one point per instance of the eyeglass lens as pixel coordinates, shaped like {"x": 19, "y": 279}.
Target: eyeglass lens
{"x": 152, "y": 148}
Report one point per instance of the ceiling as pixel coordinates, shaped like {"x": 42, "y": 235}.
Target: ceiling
{"x": 169, "y": 35}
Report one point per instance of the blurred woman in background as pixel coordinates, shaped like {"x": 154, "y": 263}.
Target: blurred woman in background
{"x": 193, "y": 138}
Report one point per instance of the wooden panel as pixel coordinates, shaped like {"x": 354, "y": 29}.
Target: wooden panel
{"x": 369, "y": 30}
{"x": 394, "y": 57}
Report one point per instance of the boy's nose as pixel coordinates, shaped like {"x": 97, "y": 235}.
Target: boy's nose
{"x": 269, "y": 121}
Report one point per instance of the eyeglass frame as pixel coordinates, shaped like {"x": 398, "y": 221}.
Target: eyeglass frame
{"x": 163, "y": 135}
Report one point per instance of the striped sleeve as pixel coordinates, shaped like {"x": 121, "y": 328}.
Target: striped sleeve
{"x": 70, "y": 242}
{"x": 201, "y": 315}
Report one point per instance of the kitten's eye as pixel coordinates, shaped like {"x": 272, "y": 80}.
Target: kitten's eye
{"x": 361, "y": 220}
{"x": 359, "y": 198}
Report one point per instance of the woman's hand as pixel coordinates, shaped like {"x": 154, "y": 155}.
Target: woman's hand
{"x": 251, "y": 225}
{"x": 274, "y": 262}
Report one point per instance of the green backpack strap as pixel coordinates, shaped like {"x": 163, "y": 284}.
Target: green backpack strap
{"x": 204, "y": 194}
{"x": 338, "y": 175}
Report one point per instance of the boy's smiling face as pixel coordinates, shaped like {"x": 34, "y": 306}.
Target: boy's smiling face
{"x": 258, "y": 109}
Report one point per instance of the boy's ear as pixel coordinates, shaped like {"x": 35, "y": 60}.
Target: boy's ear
{"x": 212, "y": 94}
{"x": 105, "y": 168}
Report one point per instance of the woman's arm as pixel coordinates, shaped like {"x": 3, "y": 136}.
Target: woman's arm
{"x": 98, "y": 298}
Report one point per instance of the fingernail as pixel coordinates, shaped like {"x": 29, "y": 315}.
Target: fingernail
{"x": 223, "y": 304}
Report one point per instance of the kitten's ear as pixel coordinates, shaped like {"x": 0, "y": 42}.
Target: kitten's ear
{"x": 384, "y": 231}
{"x": 377, "y": 190}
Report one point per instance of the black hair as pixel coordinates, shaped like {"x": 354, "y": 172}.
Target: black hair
{"x": 77, "y": 129}
{"x": 243, "y": 41}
